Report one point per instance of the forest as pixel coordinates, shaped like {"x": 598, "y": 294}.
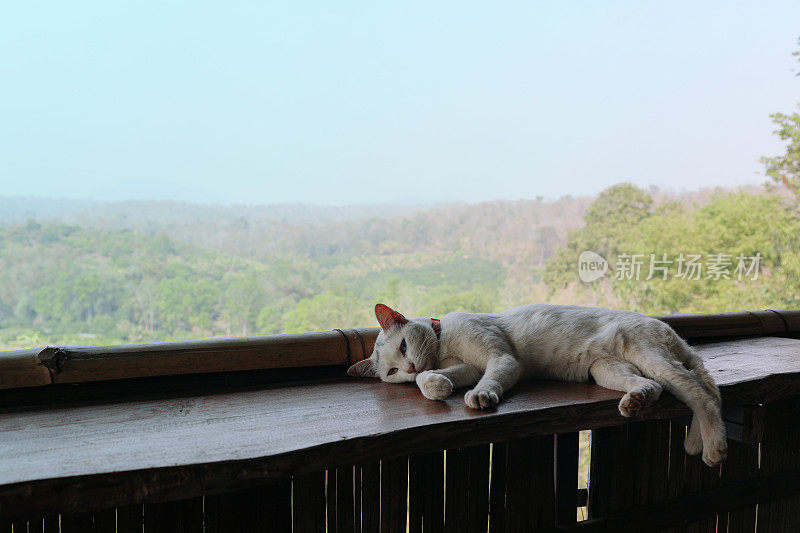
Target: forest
{"x": 144, "y": 271}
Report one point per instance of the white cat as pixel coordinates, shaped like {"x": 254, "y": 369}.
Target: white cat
{"x": 621, "y": 350}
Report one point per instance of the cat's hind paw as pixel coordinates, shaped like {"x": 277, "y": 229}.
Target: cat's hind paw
{"x": 434, "y": 386}
{"x": 639, "y": 398}
{"x": 481, "y": 399}
{"x": 715, "y": 452}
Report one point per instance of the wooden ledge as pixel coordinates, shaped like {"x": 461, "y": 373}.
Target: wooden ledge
{"x": 79, "y": 457}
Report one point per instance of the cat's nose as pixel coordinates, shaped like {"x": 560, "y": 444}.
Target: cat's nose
{"x": 411, "y": 368}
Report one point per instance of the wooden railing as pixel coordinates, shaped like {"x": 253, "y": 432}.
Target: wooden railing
{"x": 119, "y": 439}
{"x": 54, "y": 365}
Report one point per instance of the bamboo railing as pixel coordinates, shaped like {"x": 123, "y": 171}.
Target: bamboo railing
{"x": 54, "y": 365}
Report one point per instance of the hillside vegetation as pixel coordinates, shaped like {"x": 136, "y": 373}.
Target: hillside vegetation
{"x": 141, "y": 272}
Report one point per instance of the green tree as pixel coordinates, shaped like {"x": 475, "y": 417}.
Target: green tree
{"x": 188, "y": 303}
{"x": 733, "y": 225}
{"x": 611, "y": 216}
{"x": 608, "y": 223}
{"x": 443, "y": 300}
{"x": 785, "y": 168}
{"x": 242, "y": 300}
{"x": 270, "y": 318}
{"x": 324, "y": 311}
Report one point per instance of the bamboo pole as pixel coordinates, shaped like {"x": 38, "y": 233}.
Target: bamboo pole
{"x": 53, "y": 365}
{"x": 21, "y": 368}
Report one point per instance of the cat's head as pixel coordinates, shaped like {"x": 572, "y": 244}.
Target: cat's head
{"x": 403, "y": 348}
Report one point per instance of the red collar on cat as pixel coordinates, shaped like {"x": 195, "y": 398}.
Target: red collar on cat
{"x": 437, "y": 327}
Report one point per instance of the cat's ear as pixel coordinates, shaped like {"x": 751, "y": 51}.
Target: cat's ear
{"x": 388, "y": 317}
{"x": 363, "y": 369}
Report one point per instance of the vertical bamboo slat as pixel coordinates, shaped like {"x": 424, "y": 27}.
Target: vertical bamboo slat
{"x": 497, "y": 488}
{"x": 130, "y": 519}
{"x": 519, "y": 468}
{"x": 478, "y": 485}
{"x": 330, "y": 500}
{"x": 356, "y": 499}
{"x": 648, "y": 468}
{"x": 433, "y": 492}
{"x": 426, "y": 493}
{"x": 278, "y": 504}
{"x": 416, "y": 496}
{"x": 658, "y": 465}
{"x": 610, "y": 461}
{"x": 530, "y": 490}
{"x": 242, "y": 510}
{"x": 394, "y": 491}
{"x": 700, "y": 477}
{"x": 345, "y": 504}
{"x": 370, "y": 497}
{"x": 52, "y": 524}
{"x": 566, "y": 477}
{"x": 544, "y": 495}
{"x": 456, "y": 490}
{"x": 308, "y": 510}
{"x": 741, "y": 465}
{"x": 105, "y": 520}
{"x": 21, "y": 525}
{"x": 36, "y": 526}
{"x": 178, "y": 516}
{"x": 265, "y": 507}
{"x": 780, "y": 450}
{"x": 77, "y": 523}
{"x": 17, "y": 525}
{"x": 676, "y": 472}
{"x": 214, "y": 513}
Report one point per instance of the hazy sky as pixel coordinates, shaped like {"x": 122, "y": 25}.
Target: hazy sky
{"x": 374, "y": 102}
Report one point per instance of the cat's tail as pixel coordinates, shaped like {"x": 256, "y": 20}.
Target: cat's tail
{"x": 693, "y": 444}
{"x": 691, "y": 383}
{"x": 694, "y": 364}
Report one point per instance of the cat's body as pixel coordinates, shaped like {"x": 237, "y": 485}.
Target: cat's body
{"x": 621, "y": 350}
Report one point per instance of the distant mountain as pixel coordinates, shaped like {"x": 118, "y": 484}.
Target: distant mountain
{"x": 145, "y": 213}
{"x": 18, "y": 209}
{"x": 526, "y": 231}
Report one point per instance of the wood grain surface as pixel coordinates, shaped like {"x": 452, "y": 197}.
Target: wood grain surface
{"x": 150, "y": 450}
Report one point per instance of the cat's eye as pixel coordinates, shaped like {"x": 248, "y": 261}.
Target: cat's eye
{"x": 392, "y": 371}
{"x": 403, "y": 347}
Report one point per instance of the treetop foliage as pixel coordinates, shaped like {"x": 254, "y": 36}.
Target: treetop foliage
{"x": 785, "y": 169}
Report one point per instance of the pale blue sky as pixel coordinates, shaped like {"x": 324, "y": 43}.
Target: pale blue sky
{"x": 353, "y": 103}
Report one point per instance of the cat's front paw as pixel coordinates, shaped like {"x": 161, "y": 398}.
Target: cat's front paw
{"x": 434, "y": 386}
{"x": 481, "y": 399}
